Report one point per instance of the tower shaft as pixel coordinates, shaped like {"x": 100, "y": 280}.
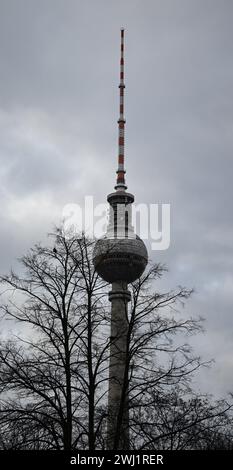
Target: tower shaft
{"x": 118, "y": 410}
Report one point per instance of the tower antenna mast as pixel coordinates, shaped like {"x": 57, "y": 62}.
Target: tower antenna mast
{"x": 120, "y": 184}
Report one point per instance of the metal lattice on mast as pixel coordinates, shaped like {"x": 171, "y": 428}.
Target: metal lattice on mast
{"x": 120, "y": 184}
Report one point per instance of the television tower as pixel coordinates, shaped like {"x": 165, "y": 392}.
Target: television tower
{"x": 120, "y": 258}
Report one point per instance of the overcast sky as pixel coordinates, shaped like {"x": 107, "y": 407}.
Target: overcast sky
{"x": 58, "y": 134}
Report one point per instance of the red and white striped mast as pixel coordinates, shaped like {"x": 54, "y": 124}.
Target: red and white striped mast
{"x": 120, "y": 184}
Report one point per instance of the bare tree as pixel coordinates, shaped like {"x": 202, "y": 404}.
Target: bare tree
{"x": 54, "y": 374}
{"x": 56, "y": 367}
{"x": 183, "y": 422}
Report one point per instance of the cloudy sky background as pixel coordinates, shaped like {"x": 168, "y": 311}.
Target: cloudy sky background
{"x": 58, "y": 134}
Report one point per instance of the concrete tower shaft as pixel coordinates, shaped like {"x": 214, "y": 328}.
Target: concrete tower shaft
{"x": 118, "y": 409}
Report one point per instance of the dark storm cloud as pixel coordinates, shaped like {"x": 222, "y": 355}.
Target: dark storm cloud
{"x": 58, "y": 134}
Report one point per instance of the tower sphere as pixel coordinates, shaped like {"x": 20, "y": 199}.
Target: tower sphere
{"x": 120, "y": 259}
